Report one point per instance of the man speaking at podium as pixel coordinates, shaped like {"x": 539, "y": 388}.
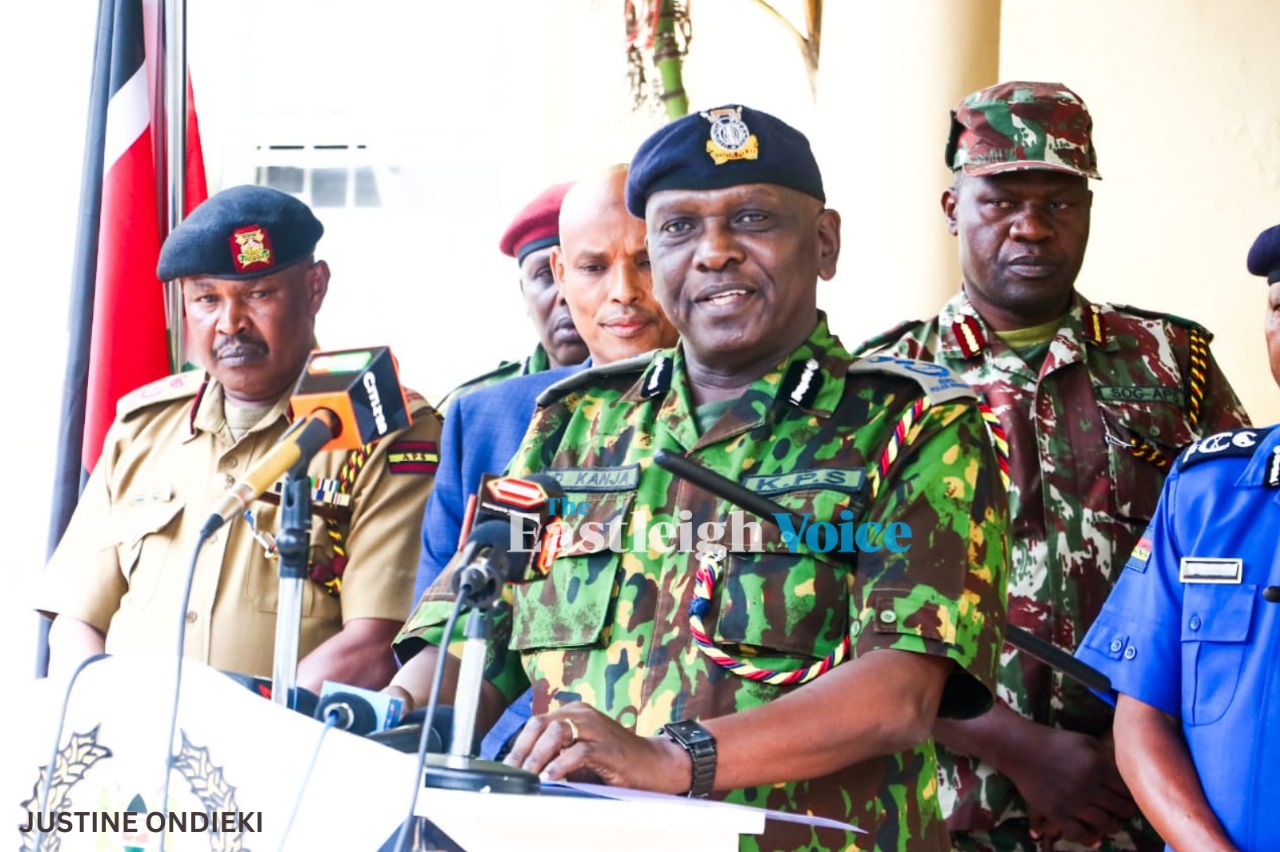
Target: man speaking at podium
{"x": 251, "y": 289}
{"x": 782, "y": 678}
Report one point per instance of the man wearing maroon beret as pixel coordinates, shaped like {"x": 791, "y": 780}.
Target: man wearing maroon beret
{"x": 530, "y": 239}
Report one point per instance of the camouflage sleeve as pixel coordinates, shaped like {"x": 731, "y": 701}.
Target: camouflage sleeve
{"x": 503, "y": 667}
{"x": 942, "y": 589}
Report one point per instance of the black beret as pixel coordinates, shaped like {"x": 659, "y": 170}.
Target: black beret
{"x": 242, "y": 232}
{"x": 1264, "y": 257}
{"x": 719, "y": 148}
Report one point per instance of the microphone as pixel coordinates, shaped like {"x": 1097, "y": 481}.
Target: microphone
{"x": 527, "y": 509}
{"x": 358, "y": 710}
{"x": 485, "y": 563}
{"x": 343, "y": 400}
{"x": 1271, "y": 594}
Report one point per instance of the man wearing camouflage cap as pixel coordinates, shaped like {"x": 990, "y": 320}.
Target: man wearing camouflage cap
{"x": 1096, "y": 400}
{"x": 1189, "y": 636}
{"x": 775, "y": 676}
{"x": 251, "y": 289}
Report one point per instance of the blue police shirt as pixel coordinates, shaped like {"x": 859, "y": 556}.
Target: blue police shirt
{"x": 1188, "y": 631}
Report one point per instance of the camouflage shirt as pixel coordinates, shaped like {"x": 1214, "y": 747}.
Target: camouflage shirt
{"x": 537, "y": 362}
{"x": 614, "y": 630}
{"x": 1090, "y": 437}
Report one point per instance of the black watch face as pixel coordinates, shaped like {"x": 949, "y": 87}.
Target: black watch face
{"x": 690, "y": 732}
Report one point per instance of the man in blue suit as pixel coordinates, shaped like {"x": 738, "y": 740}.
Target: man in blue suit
{"x": 602, "y": 269}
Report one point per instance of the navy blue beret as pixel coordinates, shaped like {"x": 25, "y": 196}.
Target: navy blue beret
{"x": 242, "y": 232}
{"x": 719, "y": 148}
{"x": 1264, "y": 257}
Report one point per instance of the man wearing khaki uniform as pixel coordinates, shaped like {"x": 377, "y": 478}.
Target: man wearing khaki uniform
{"x": 251, "y": 290}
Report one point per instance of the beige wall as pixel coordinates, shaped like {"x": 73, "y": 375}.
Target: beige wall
{"x": 1186, "y": 111}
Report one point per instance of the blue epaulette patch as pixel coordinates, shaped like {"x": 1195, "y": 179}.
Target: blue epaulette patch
{"x": 1237, "y": 442}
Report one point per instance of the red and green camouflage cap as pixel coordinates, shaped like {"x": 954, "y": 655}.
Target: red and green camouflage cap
{"x": 1019, "y": 125}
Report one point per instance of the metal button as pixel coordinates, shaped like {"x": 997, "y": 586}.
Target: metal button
{"x": 855, "y": 628}
{"x": 228, "y": 479}
{"x": 1116, "y": 645}
{"x": 888, "y": 616}
{"x": 1130, "y": 652}
{"x": 232, "y": 462}
{"x": 191, "y": 616}
{"x": 1194, "y": 623}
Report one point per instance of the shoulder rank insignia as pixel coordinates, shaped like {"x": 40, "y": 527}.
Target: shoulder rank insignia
{"x": 730, "y": 137}
{"x": 658, "y": 380}
{"x": 251, "y": 246}
{"x": 169, "y": 388}
{"x": 1238, "y": 442}
{"x": 969, "y": 336}
{"x": 939, "y": 383}
{"x": 589, "y": 376}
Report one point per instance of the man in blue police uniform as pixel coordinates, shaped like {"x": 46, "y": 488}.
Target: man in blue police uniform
{"x": 1190, "y": 634}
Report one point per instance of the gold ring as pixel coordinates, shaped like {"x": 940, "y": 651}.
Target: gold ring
{"x": 573, "y": 731}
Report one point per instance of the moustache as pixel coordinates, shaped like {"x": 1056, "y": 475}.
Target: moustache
{"x": 238, "y": 347}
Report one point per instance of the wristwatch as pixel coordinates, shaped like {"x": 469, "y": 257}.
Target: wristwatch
{"x": 701, "y": 746}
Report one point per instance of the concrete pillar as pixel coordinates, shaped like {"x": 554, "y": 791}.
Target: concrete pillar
{"x": 890, "y": 73}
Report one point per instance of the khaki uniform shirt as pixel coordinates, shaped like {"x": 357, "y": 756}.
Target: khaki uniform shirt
{"x": 168, "y": 458}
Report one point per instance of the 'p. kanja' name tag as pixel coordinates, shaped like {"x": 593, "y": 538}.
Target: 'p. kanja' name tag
{"x": 1202, "y": 570}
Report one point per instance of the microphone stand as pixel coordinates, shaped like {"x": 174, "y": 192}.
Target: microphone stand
{"x": 460, "y": 769}
{"x": 293, "y": 546}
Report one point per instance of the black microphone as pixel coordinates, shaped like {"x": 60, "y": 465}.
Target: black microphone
{"x": 1271, "y": 594}
{"x": 730, "y": 491}
{"x": 343, "y": 400}
{"x": 485, "y": 563}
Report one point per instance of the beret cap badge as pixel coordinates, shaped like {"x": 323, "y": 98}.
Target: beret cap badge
{"x": 730, "y": 137}
{"x": 251, "y": 245}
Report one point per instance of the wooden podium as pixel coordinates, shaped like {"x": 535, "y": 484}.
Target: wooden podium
{"x": 242, "y": 768}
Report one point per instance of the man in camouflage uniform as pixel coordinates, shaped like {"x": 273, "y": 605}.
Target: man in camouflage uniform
{"x": 251, "y": 290}
{"x": 801, "y": 681}
{"x": 1096, "y": 400}
{"x": 530, "y": 239}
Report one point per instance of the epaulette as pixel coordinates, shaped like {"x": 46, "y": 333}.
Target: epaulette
{"x": 505, "y": 370}
{"x": 583, "y": 378}
{"x": 178, "y": 386}
{"x": 1235, "y": 443}
{"x": 938, "y": 382}
{"x": 886, "y": 338}
{"x": 1173, "y": 318}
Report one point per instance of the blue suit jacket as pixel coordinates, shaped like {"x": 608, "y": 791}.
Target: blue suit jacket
{"x": 482, "y": 431}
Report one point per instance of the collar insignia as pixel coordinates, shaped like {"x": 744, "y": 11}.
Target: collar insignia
{"x": 969, "y": 335}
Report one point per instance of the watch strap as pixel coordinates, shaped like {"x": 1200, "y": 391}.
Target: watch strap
{"x": 701, "y": 746}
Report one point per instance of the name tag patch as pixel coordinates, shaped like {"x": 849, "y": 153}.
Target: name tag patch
{"x": 1205, "y": 570}
{"x": 625, "y": 478}
{"x": 1173, "y": 396}
{"x": 849, "y": 481}
{"x": 152, "y": 494}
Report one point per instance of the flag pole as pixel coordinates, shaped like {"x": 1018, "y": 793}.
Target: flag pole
{"x": 69, "y": 473}
{"x": 175, "y": 99}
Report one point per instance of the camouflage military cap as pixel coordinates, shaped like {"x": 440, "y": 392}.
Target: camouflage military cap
{"x": 1018, "y": 126}
{"x": 1264, "y": 255}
